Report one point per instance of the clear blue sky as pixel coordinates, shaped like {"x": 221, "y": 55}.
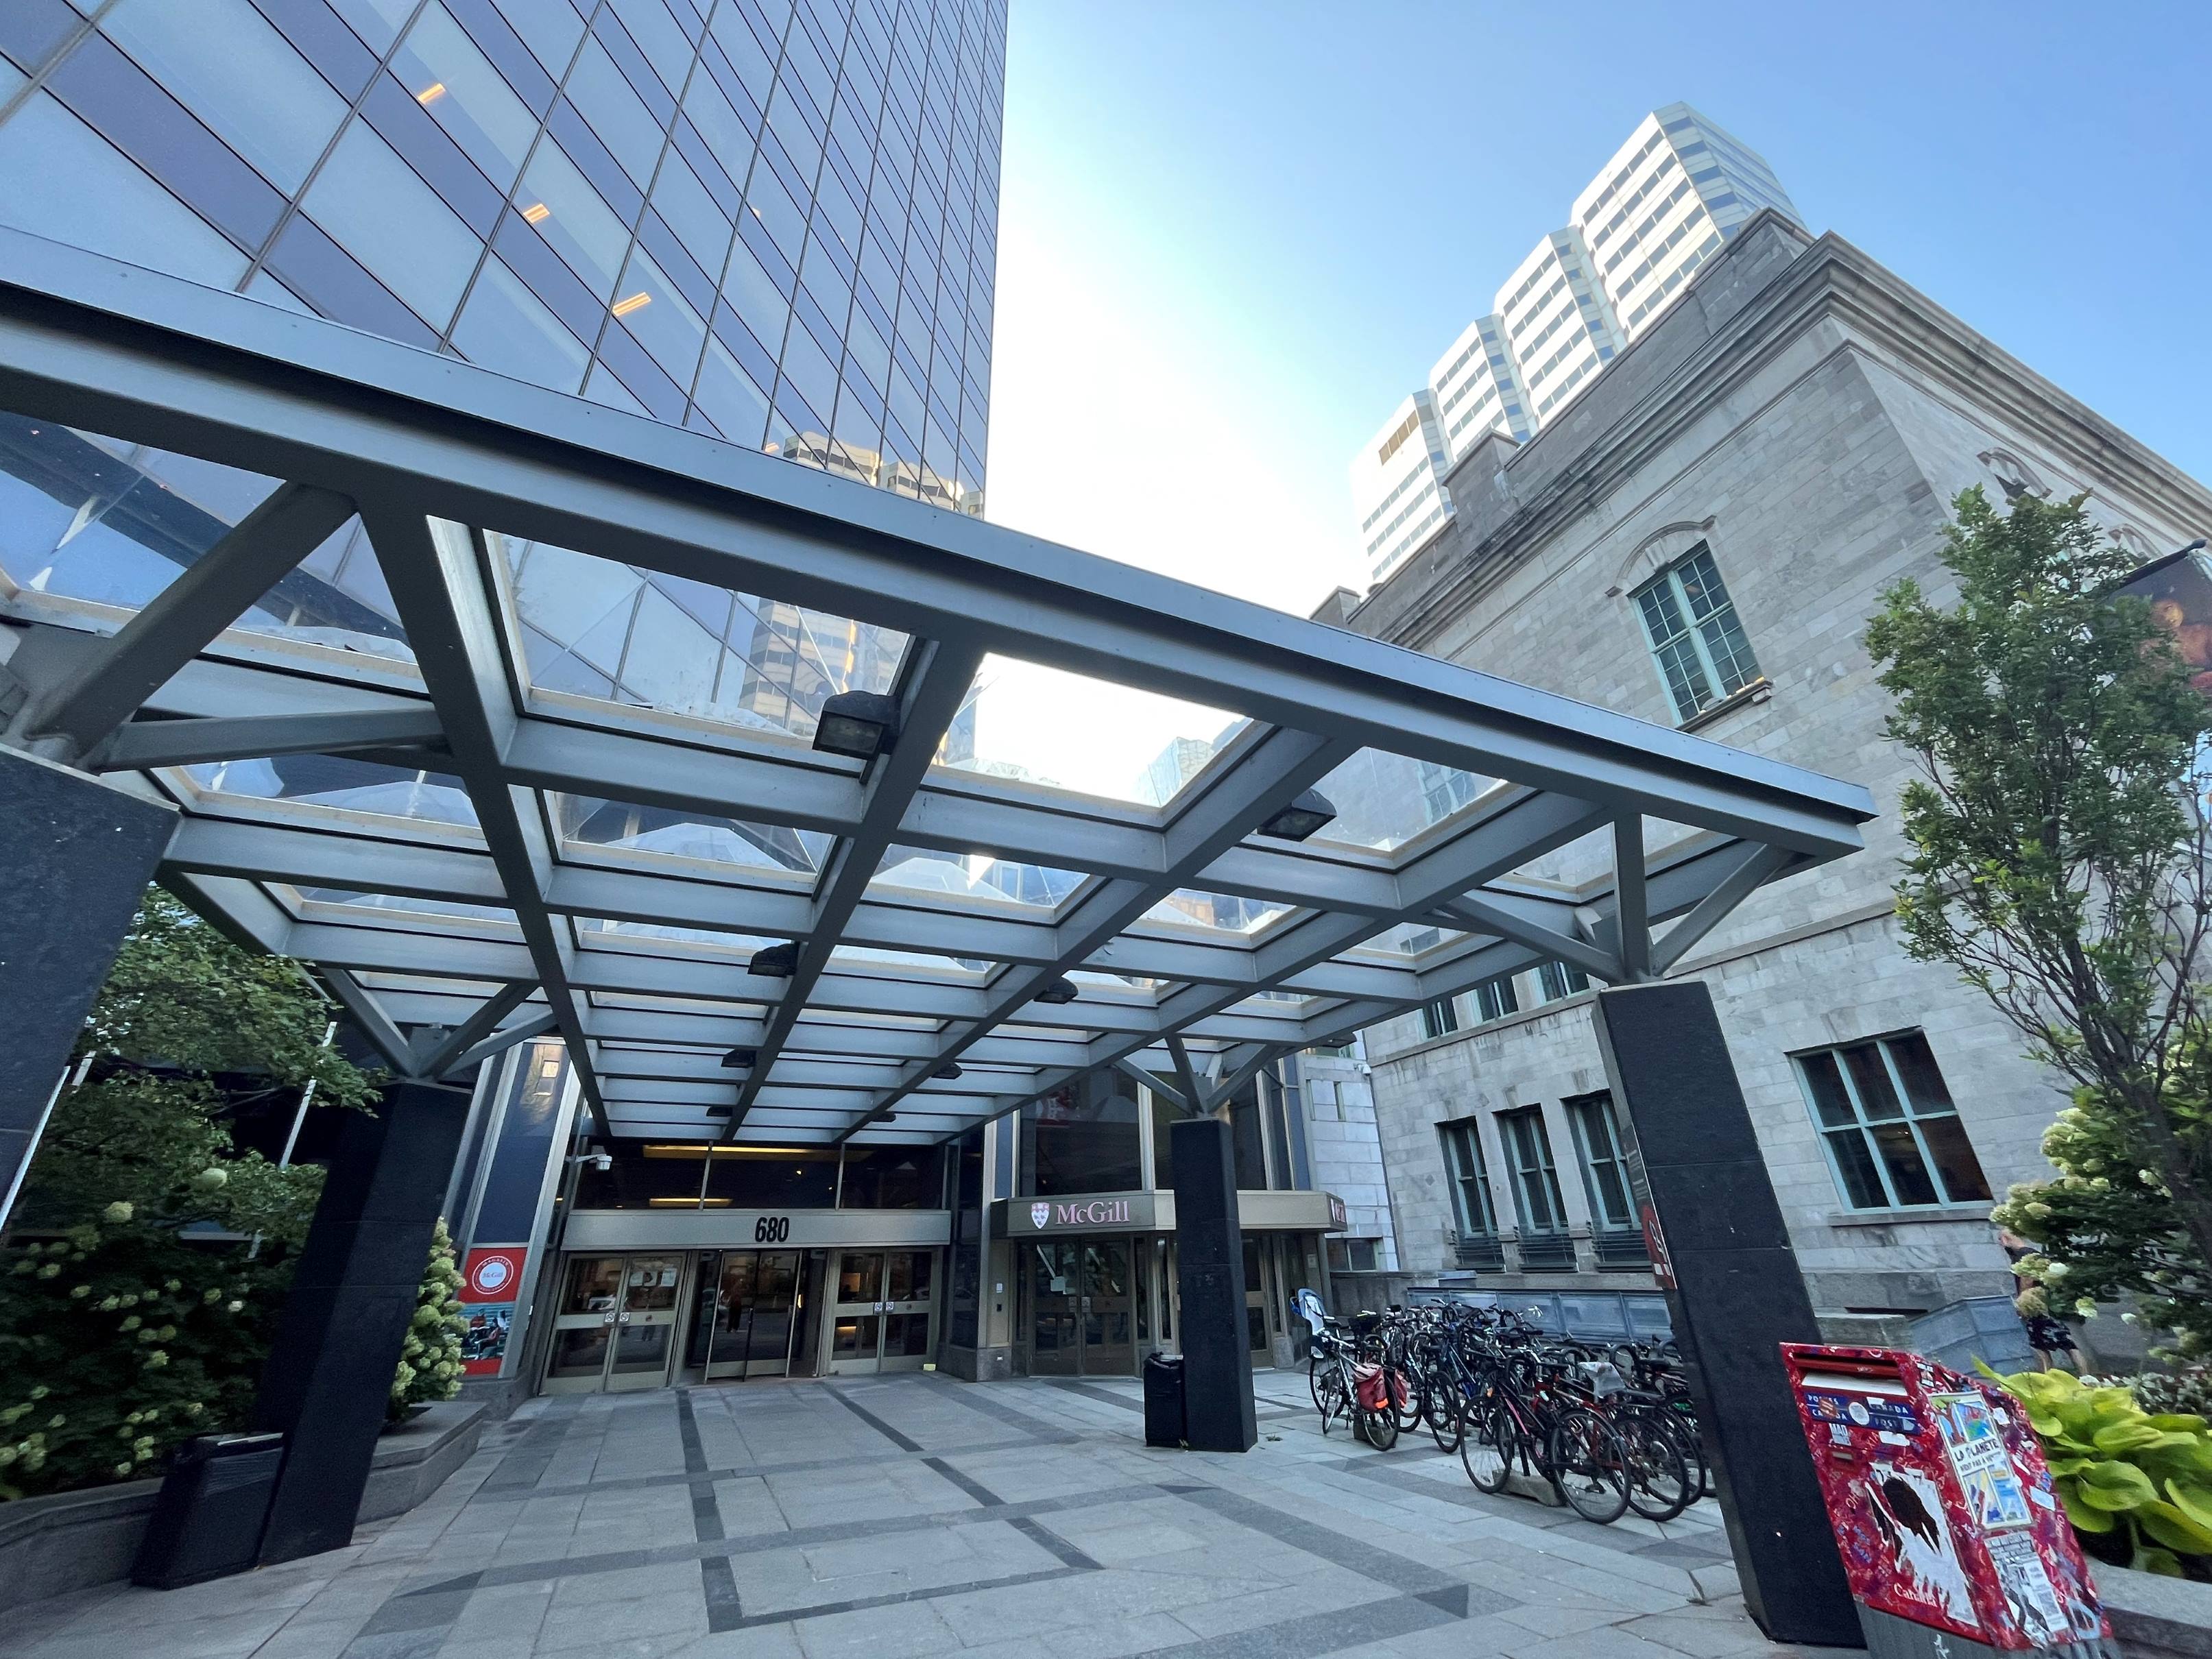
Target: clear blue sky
{"x": 1234, "y": 234}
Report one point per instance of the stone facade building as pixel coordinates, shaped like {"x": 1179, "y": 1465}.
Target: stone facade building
{"x": 1698, "y": 541}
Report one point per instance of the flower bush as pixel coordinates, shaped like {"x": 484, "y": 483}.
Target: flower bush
{"x": 148, "y": 1257}
{"x": 2137, "y": 1485}
{"x": 2105, "y": 1228}
{"x": 430, "y": 1362}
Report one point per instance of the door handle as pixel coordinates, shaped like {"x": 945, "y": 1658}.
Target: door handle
{"x": 625, "y": 1318}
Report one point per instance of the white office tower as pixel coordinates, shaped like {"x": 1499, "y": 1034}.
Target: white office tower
{"x": 1398, "y": 485}
{"x": 1477, "y": 390}
{"x": 1679, "y": 188}
{"x": 1557, "y": 325}
{"x": 1662, "y": 207}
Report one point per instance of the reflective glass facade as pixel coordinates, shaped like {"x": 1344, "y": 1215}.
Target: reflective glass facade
{"x": 772, "y": 222}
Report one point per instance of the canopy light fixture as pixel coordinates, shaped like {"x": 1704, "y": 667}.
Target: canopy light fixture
{"x": 947, "y": 1071}
{"x": 696, "y": 1150}
{"x": 777, "y": 962}
{"x": 688, "y": 1203}
{"x": 739, "y": 1059}
{"x": 1308, "y": 813}
{"x": 1057, "y": 991}
{"x": 860, "y": 724}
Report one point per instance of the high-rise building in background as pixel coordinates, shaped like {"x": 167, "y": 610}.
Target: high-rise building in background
{"x": 1674, "y": 193}
{"x": 775, "y": 223}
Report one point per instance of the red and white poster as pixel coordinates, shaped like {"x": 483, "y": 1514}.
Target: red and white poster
{"x": 490, "y": 1281}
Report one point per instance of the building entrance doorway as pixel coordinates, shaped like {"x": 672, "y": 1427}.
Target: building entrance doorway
{"x": 1082, "y": 1308}
{"x": 884, "y": 1313}
{"x": 746, "y": 1299}
{"x": 615, "y": 1325}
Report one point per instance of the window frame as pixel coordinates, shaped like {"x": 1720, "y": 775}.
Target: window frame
{"x": 1863, "y": 1125}
{"x": 1692, "y": 635}
{"x": 1545, "y": 1169}
{"x": 1461, "y": 1140}
{"x": 1584, "y": 1111}
{"x": 1439, "y": 1018}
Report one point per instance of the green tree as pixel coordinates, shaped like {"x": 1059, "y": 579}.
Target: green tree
{"x": 119, "y": 1333}
{"x": 2058, "y": 859}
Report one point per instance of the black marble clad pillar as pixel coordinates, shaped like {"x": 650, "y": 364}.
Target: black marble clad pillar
{"x": 1217, "y": 1352}
{"x": 1736, "y": 1295}
{"x": 330, "y": 1373}
{"x": 74, "y": 855}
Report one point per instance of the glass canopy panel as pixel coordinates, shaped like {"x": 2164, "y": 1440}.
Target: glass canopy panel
{"x": 596, "y": 628}
{"x": 1037, "y": 725}
{"x": 589, "y": 821}
{"x": 92, "y": 518}
{"x": 1411, "y": 938}
{"x": 856, "y": 956}
{"x": 603, "y": 930}
{"x": 1230, "y": 911}
{"x": 365, "y": 788}
{"x": 1383, "y": 800}
{"x": 975, "y": 875}
{"x": 346, "y": 898}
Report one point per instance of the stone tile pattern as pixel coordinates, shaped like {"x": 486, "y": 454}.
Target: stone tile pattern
{"x": 1818, "y": 459}
{"x": 916, "y": 1515}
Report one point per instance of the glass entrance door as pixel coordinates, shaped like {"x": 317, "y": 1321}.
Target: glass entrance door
{"x": 615, "y": 1328}
{"x": 883, "y": 1318}
{"x": 1082, "y": 1308}
{"x": 1257, "y": 1256}
{"x": 751, "y": 1331}
{"x": 1055, "y": 1298}
{"x": 1108, "y": 1309}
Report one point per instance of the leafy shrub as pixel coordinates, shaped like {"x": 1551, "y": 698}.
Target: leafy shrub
{"x": 2138, "y": 1485}
{"x": 430, "y": 1361}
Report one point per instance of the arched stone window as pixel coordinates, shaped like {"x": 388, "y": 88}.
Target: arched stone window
{"x": 2014, "y": 477}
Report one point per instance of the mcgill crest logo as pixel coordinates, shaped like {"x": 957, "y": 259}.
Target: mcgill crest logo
{"x": 1039, "y": 1214}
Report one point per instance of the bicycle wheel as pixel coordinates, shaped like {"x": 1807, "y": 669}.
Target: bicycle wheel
{"x": 1329, "y": 1396}
{"x": 1379, "y": 1428}
{"x": 1413, "y": 1404}
{"x": 1447, "y": 1411}
{"x": 1316, "y": 1368}
{"x": 1683, "y": 1431}
{"x": 1660, "y": 1486}
{"x": 1588, "y": 1467}
{"x": 1486, "y": 1447}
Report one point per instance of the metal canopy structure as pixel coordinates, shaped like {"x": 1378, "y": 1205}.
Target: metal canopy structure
{"x": 420, "y": 793}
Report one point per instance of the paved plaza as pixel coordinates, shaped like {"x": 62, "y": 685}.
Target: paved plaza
{"x": 916, "y": 1515}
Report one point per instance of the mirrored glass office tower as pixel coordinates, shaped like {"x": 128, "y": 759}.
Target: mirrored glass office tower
{"x": 772, "y": 222}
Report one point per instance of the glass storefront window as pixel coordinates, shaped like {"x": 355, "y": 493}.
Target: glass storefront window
{"x": 784, "y": 1177}
{"x": 1083, "y": 1138}
{"x": 892, "y": 1178}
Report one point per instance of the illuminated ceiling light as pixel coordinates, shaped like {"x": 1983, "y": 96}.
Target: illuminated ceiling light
{"x": 688, "y": 1203}
{"x": 637, "y": 302}
{"x": 1308, "y": 813}
{"x": 431, "y": 93}
{"x": 739, "y": 1059}
{"x": 1057, "y": 991}
{"x": 537, "y": 212}
{"x": 860, "y": 724}
{"x": 947, "y": 1071}
{"x": 777, "y": 962}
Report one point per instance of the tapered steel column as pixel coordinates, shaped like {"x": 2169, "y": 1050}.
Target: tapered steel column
{"x": 1217, "y": 1349}
{"x": 1735, "y": 1293}
{"x": 329, "y": 1375}
{"x": 74, "y": 855}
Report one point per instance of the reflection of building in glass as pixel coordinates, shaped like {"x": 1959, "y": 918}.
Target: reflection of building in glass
{"x": 1174, "y": 766}
{"x": 778, "y": 227}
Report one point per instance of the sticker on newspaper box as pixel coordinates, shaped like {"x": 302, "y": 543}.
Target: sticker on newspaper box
{"x": 1987, "y": 1479}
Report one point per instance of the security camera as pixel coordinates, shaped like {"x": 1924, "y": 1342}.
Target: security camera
{"x": 602, "y": 1162}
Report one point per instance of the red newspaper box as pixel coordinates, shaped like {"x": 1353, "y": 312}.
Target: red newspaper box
{"x": 1943, "y": 1511}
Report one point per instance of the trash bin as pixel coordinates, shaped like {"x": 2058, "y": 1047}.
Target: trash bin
{"x": 1164, "y": 1418}
{"x": 208, "y": 1517}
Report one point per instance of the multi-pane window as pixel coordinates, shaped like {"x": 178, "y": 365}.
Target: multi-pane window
{"x": 1559, "y": 979}
{"x": 1605, "y": 1168}
{"x": 1535, "y": 1181}
{"x": 1494, "y": 997}
{"x": 1892, "y": 1131}
{"x": 1470, "y": 1178}
{"x": 1695, "y": 638}
{"x": 1439, "y": 1018}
